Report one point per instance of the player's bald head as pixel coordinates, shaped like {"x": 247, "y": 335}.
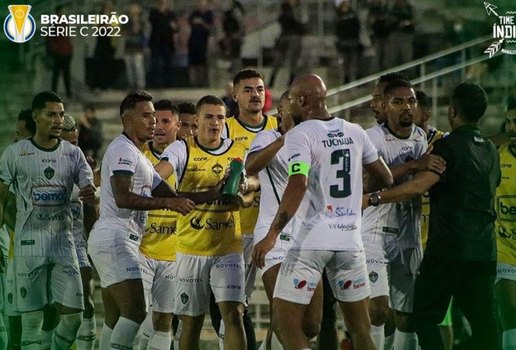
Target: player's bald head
{"x": 310, "y": 86}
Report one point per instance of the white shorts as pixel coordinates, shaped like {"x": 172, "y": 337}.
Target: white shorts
{"x": 277, "y": 254}
{"x": 116, "y": 260}
{"x": 41, "y": 281}
{"x": 197, "y": 274}
{"x": 158, "y": 283}
{"x": 301, "y": 272}
{"x": 11, "y": 305}
{"x": 250, "y": 268}
{"x": 505, "y": 272}
{"x": 396, "y": 278}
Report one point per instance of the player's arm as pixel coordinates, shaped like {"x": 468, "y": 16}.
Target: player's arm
{"x": 421, "y": 183}
{"x": 377, "y": 176}
{"x": 427, "y": 162}
{"x": 122, "y": 182}
{"x": 258, "y": 160}
{"x": 4, "y": 196}
{"x": 90, "y": 216}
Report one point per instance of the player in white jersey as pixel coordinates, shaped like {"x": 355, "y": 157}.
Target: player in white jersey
{"x": 42, "y": 171}
{"x": 268, "y": 158}
{"x": 325, "y": 156}
{"x": 128, "y": 180}
{"x": 83, "y": 219}
{"x": 391, "y": 233}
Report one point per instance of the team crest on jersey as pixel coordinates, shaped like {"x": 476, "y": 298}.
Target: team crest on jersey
{"x": 184, "y": 298}
{"x": 23, "y": 292}
{"x": 373, "y": 276}
{"x": 49, "y": 173}
{"x": 217, "y": 169}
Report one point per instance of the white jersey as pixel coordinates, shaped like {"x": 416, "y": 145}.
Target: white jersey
{"x": 399, "y": 219}
{"x": 273, "y": 180}
{"x": 122, "y": 157}
{"x": 42, "y": 181}
{"x": 329, "y": 215}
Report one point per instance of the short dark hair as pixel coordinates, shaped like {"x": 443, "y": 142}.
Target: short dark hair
{"x": 209, "y": 100}
{"x": 26, "y": 117}
{"x": 423, "y": 100}
{"x": 470, "y": 101}
{"x": 395, "y": 84}
{"x": 40, "y": 100}
{"x": 166, "y": 105}
{"x": 390, "y": 77}
{"x": 247, "y": 73}
{"x": 187, "y": 108}
{"x": 132, "y": 99}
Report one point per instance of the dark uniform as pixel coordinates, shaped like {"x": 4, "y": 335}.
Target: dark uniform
{"x": 460, "y": 257}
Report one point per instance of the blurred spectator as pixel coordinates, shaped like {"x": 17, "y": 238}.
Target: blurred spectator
{"x": 201, "y": 23}
{"x": 378, "y": 24}
{"x": 91, "y": 136}
{"x": 135, "y": 42}
{"x": 234, "y": 31}
{"x": 400, "y": 47}
{"x": 60, "y": 48}
{"x": 347, "y": 31}
{"x": 163, "y": 26}
{"x": 229, "y": 100}
{"x": 289, "y": 44}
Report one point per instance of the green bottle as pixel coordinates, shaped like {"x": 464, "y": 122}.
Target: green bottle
{"x": 230, "y": 187}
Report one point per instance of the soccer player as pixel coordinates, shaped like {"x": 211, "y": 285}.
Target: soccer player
{"x": 505, "y": 227}
{"x": 83, "y": 219}
{"x": 460, "y": 256}
{"x": 159, "y": 241}
{"x": 208, "y": 248}
{"x": 325, "y": 157}
{"x": 249, "y": 93}
{"x": 42, "y": 171}
{"x": 187, "y": 115}
{"x": 267, "y": 158}
{"x": 129, "y": 188}
{"x": 391, "y": 233}
{"x": 377, "y": 96}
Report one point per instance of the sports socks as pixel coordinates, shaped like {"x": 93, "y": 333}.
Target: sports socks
{"x": 378, "y": 336}
{"x": 66, "y": 331}
{"x": 405, "y": 341}
{"x": 105, "y": 337}
{"x": 124, "y": 334}
{"x": 87, "y": 334}
{"x": 160, "y": 340}
{"x": 31, "y": 330}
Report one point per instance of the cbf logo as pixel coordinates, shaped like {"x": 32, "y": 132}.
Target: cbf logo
{"x": 504, "y": 31}
{"x": 19, "y": 26}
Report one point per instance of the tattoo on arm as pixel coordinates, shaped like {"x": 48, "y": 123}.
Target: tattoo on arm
{"x": 282, "y": 221}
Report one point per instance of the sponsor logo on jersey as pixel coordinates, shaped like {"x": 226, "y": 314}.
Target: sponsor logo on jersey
{"x": 49, "y": 173}
{"x": 217, "y": 169}
{"x": 240, "y": 138}
{"x": 25, "y": 153}
{"x": 506, "y": 165}
{"x": 345, "y": 284}
{"x": 340, "y": 211}
{"x": 335, "y": 133}
{"x": 49, "y": 196}
{"x": 359, "y": 283}
{"x": 76, "y": 210}
{"x": 122, "y": 161}
{"x": 196, "y": 223}
{"x": 342, "y": 141}
{"x": 199, "y": 159}
{"x": 233, "y": 286}
{"x": 190, "y": 280}
{"x": 70, "y": 272}
{"x": 211, "y": 224}
{"x": 506, "y": 208}
{"x": 50, "y": 160}
{"x": 506, "y": 233}
{"x": 343, "y": 227}
{"x": 161, "y": 229}
{"x": 228, "y": 266}
{"x": 301, "y": 284}
{"x": 50, "y": 217}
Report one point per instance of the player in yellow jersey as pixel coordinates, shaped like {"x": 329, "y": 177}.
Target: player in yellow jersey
{"x": 249, "y": 93}
{"x": 209, "y": 241}
{"x": 159, "y": 241}
{"x": 505, "y": 224}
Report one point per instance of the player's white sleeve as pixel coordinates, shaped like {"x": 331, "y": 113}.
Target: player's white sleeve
{"x": 176, "y": 155}
{"x": 262, "y": 140}
{"x": 7, "y": 169}
{"x": 370, "y": 153}
{"x": 156, "y": 178}
{"x": 83, "y": 172}
{"x": 121, "y": 161}
{"x": 298, "y": 147}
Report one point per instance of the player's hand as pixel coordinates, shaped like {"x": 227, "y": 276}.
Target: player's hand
{"x": 87, "y": 195}
{"x": 365, "y": 201}
{"x": 91, "y": 162}
{"x": 431, "y": 162}
{"x": 261, "y": 249}
{"x": 181, "y": 205}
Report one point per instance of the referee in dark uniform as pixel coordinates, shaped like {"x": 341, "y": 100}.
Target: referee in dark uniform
{"x": 460, "y": 256}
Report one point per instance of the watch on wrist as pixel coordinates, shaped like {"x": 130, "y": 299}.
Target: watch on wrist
{"x": 374, "y": 199}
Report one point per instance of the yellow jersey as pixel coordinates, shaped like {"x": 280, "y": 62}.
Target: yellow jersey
{"x": 159, "y": 239}
{"x": 433, "y": 135}
{"x": 505, "y": 205}
{"x": 211, "y": 228}
{"x": 245, "y": 134}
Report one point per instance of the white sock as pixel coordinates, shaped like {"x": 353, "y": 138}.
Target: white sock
{"x": 275, "y": 343}
{"x": 389, "y": 342}
{"x": 46, "y": 339}
{"x": 177, "y": 336}
{"x": 3, "y": 334}
{"x": 405, "y": 341}
{"x": 146, "y": 331}
{"x": 31, "y": 330}
{"x": 105, "y": 337}
{"x": 124, "y": 334}
{"x": 222, "y": 331}
{"x": 160, "y": 340}
{"x": 66, "y": 331}
{"x": 378, "y": 336}
{"x": 87, "y": 334}
{"x": 509, "y": 339}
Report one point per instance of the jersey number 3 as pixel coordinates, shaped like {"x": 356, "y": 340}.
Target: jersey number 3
{"x": 343, "y": 189}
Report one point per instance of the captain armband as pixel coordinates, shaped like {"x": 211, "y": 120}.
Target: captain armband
{"x": 301, "y": 168}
